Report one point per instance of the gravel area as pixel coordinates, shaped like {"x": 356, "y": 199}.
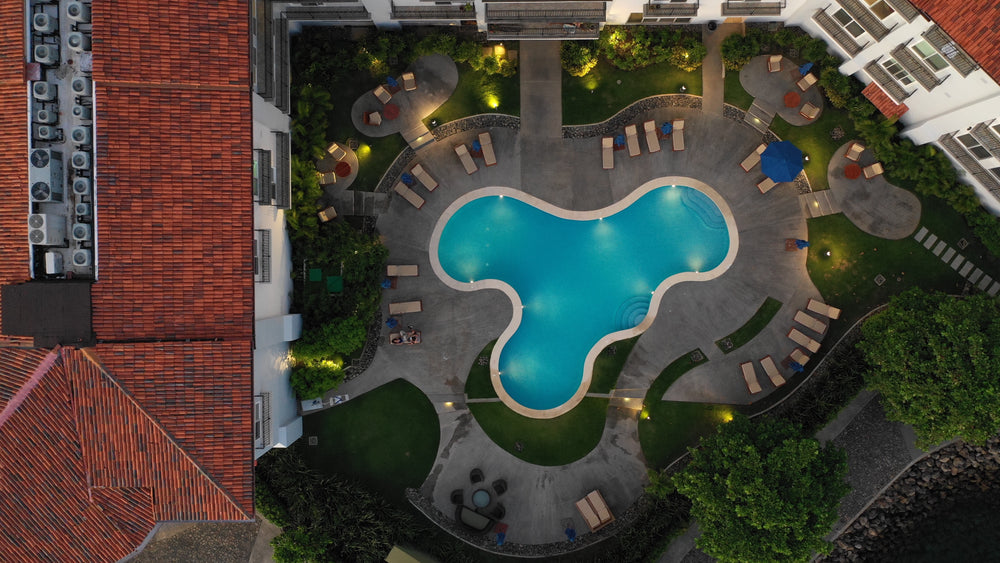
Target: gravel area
{"x": 200, "y": 542}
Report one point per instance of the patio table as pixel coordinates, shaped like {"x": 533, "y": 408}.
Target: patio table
{"x": 342, "y": 169}
{"x": 852, "y": 171}
{"x": 481, "y": 498}
{"x": 390, "y": 111}
{"x": 792, "y": 99}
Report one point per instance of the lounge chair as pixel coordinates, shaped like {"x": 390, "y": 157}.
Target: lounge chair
{"x": 854, "y": 151}
{"x": 409, "y": 82}
{"x": 873, "y": 170}
{"x": 406, "y": 307}
{"x": 809, "y": 111}
{"x": 486, "y": 142}
{"x": 823, "y": 309}
{"x": 595, "y": 511}
{"x": 608, "y": 152}
{"x": 457, "y": 496}
{"x": 632, "y": 138}
{"x": 336, "y": 151}
{"x": 772, "y": 371}
{"x": 774, "y": 63}
{"x": 392, "y": 270}
{"x": 373, "y": 118}
{"x": 753, "y": 159}
{"x": 327, "y": 178}
{"x": 498, "y": 512}
{"x": 750, "y": 376}
{"x": 806, "y": 82}
{"x": 799, "y": 357}
{"x": 796, "y": 336}
{"x": 382, "y": 94}
{"x": 500, "y": 486}
{"x": 472, "y": 519}
{"x": 463, "y": 154}
{"x": 409, "y": 195}
{"x": 327, "y": 214}
{"x": 678, "y": 135}
{"x": 652, "y": 136}
{"x": 766, "y": 184}
{"x": 420, "y": 174}
{"x": 810, "y": 322}
{"x": 476, "y": 475}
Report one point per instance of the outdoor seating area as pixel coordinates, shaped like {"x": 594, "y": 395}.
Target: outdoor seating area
{"x": 632, "y": 139}
{"x": 409, "y": 195}
{"x": 854, "y": 151}
{"x": 678, "y": 135}
{"x": 750, "y": 377}
{"x": 772, "y": 371}
{"x": 486, "y": 507}
{"x": 823, "y": 309}
{"x": 382, "y": 94}
{"x": 486, "y": 145}
{"x": 806, "y": 82}
{"x": 607, "y": 153}
{"x": 409, "y": 82}
{"x": 753, "y": 159}
{"x": 873, "y": 170}
{"x": 809, "y": 111}
{"x": 426, "y": 179}
{"x": 810, "y": 322}
{"x": 774, "y": 63}
{"x": 463, "y": 155}
{"x": 798, "y": 337}
{"x": 595, "y": 511}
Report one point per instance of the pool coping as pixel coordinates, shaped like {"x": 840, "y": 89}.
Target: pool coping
{"x": 515, "y": 299}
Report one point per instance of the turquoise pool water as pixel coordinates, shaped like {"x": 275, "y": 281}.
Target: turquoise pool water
{"x": 578, "y": 280}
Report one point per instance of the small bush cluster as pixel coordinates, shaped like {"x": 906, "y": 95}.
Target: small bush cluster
{"x": 579, "y": 57}
{"x": 635, "y": 47}
{"x": 464, "y": 51}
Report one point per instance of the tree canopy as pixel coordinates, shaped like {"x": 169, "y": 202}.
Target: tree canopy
{"x": 762, "y": 492}
{"x": 936, "y": 361}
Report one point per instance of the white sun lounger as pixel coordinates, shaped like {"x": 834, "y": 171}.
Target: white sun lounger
{"x": 409, "y": 195}
{"x": 402, "y": 270}
{"x": 632, "y": 139}
{"x": 772, "y": 371}
{"x": 409, "y": 82}
{"x": 677, "y": 135}
{"x": 809, "y": 111}
{"x": 595, "y": 511}
{"x": 750, "y": 376}
{"x": 336, "y": 151}
{"x": 753, "y": 159}
{"x": 463, "y": 154}
{"x": 765, "y": 185}
{"x": 406, "y": 307}
{"x": 823, "y": 309}
{"x": 486, "y": 142}
{"x": 810, "y": 322}
{"x": 854, "y": 151}
{"x": 873, "y": 170}
{"x": 608, "y": 153}
{"x": 774, "y": 63}
{"x": 796, "y": 336}
{"x": 799, "y": 357}
{"x": 652, "y": 139}
{"x": 806, "y": 82}
{"x": 382, "y": 94}
{"x": 420, "y": 174}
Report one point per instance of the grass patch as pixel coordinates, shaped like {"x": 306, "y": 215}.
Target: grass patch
{"x": 556, "y": 441}
{"x": 816, "y": 141}
{"x": 479, "y": 385}
{"x": 752, "y": 327}
{"x": 477, "y": 93}
{"x": 598, "y": 96}
{"x": 734, "y": 93}
{"x": 387, "y": 439}
{"x": 608, "y": 365}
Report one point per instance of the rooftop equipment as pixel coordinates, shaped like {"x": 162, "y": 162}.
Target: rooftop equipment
{"x": 44, "y": 91}
{"x": 44, "y": 23}
{"x": 47, "y": 54}
{"x": 81, "y": 86}
{"x": 78, "y": 12}
{"x": 78, "y": 41}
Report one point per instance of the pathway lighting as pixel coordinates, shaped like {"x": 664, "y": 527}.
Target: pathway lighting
{"x": 683, "y": 88}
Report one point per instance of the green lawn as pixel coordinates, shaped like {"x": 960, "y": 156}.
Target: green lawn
{"x": 735, "y": 94}
{"x": 598, "y": 96}
{"x": 767, "y": 310}
{"x": 478, "y": 93}
{"x": 608, "y": 366}
{"x": 387, "y": 439}
{"x": 555, "y": 441}
{"x": 479, "y": 385}
{"x": 816, "y": 141}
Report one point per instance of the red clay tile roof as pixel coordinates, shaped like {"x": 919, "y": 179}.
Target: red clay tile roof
{"x": 75, "y": 487}
{"x": 975, "y": 25}
{"x": 176, "y": 215}
{"x": 883, "y": 102}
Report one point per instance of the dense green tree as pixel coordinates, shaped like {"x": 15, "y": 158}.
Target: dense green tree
{"x": 737, "y": 50}
{"x": 578, "y": 57}
{"x": 761, "y": 492}
{"x": 936, "y": 361}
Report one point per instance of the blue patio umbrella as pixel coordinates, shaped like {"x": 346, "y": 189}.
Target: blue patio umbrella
{"x": 407, "y": 178}
{"x": 666, "y": 128}
{"x": 801, "y": 243}
{"x": 804, "y": 69}
{"x": 781, "y": 161}
{"x": 392, "y": 322}
{"x": 797, "y": 367}
{"x": 476, "y": 147}
{"x": 391, "y": 81}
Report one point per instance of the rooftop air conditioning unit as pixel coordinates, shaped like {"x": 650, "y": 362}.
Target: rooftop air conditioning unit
{"x": 78, "y": 41}
{"x": 53, "y": 263}
{"x": 81, "y": 135}
{"x": 44, "y": 192}
{"x": 82, "y": 209}
{"x": 46, "y": 167}
{"x": 81, "y": 187}
{"x": 78, "y": 11}
{"x": 46, "y": 229}
{"x": 82, "y": 232}
{"x": 44, "y": 23}
{"x": 47, "y": 133}
{"x": 81, "y": 86}
{"x": 47, "y": 54}
{"x": 44, "y": 91}
{"x": 81, "y": 160}
{"x": 46, "y": 116}
{"x": 82, "y": 112}
{"x": 83, "y": 257}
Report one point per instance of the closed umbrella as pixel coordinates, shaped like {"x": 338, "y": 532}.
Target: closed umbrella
{"x": 781, "y": 161}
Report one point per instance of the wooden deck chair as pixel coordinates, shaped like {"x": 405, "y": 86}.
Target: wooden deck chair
{"x": 677, "y": 135}
{"x": 327, "y": 214}
{"x": 810, "y": 322}
{"x": 409, "y": 82}
{"x": 406, "y": 307}
{"x": 420, "y": 174}
{"x": 765, "y": 185}
{"x": 382, "y": 94}
{"x": 799, "y": 357}
{"x": 336, "y": 151}
{"x": 823, "y": 309}
{"x": 854, "y": 151}
{"x": 806, "y": 82}
{"x": 809, "y": 111}
{"x": 750, "y": 376}
{"x": 608, "y": 153}
{"x": 752, "y": 159}
{"x": 873, "y": 170}
{"x": 774, "y": 63}
{"x": 486, "y": 142}
{"x": 632, "y": 139}
{"x": 798, "y": 337}
{"x": 463, "y": 154}
{"x": 652, "y": 136}
{"x": 772, "y": 371}
{"x": 393, "y": 270}
{"x": 327, "y": 178}
{"x": 409, "y": 195}
{"x": 373, "y": 118}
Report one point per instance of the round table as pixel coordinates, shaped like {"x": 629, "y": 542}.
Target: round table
{"x": 342, "y": 169}
{"x": 852, "y": 171}
{"x": 390, "y": 111}
{"x": 481, "y": 498}
{"x": 792, "y": 99}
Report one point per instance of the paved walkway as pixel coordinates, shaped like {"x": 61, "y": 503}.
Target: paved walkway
{"x": 713, "y": 74}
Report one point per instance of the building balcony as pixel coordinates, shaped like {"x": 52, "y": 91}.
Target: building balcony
{"x": 327, "y": 13}
{"x": 672, "y": 9}
{"x": 433, "y": 12}
{"x": 837, "y": 33}
{"x": 917, "y": 69}
{"x": 581, "y": 12}
{"x": 986, "y": 137}
{"x": 752, "y": 8}
{"x": 541, "y": 31}
{"x": 865, "y": 18}
{"x": 886, "y": 82}
{"x": 969, "y": 162}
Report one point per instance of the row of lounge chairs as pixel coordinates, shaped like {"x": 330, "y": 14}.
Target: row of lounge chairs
{"x": 424, "y": 178}
{"x": 486, "y": 148}
{"x": 632, "y": 141}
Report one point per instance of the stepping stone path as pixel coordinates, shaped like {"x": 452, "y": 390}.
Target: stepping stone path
{"x": 950, "y": 256}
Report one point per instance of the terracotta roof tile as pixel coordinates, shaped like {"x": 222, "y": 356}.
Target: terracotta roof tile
{"x": 176, "y": 215}
{"x": 883, "y": 102}
{"x": 973, "y": 25}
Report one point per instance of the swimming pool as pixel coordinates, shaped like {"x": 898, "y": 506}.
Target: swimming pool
{"x": 577, "y": 280}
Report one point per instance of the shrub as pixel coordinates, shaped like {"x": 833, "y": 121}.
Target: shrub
{"x": 578, "y": 57}
{"x": 312, "y": 380}
{"x": 839, "y": 88}
{"x": 335, "y": 338}
{"x": 737, "y": 50}
{"x": 635, "y": 47}
{"x": 688, "y": 55}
